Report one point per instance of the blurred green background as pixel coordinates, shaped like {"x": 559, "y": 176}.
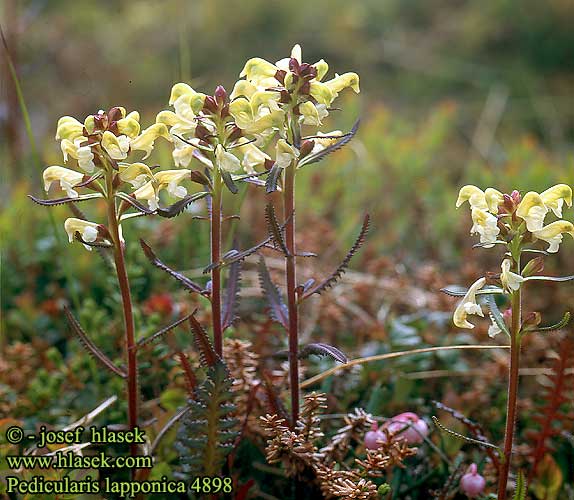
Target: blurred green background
{"x": 452, "y": 93}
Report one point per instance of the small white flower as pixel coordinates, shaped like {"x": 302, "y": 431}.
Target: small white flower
{"x": 468, "y": 305}
{"x": 170, "y": 179}
{"x": 510, "y": 281}
{"x": 486, "y": 225}
{"x": 226, "y": 162}
{"x": 88, "y": 230}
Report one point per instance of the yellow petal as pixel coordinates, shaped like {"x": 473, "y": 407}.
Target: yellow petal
{"x": 533, "y": 210}
{"x": 243, "y": 88}
{"x": 116, "y": 146}
{"x": 468, "y": 305}
{"x": 553, "y": 234}
{"x": 68, "y": 128}
{"x": 475, "y": 197}
{"x": 555, "y": 197}
{"x": 322, "y": 93}
{"x": 88, "y": 230}
{"x": 322, "y": 68}
{"x": 257, "y": 68}
{"x": 129, "y": 125}
{"x": 343, "y": 81}
{"x": 242, "y": 112}
{"x": 196, "y": 99}
{"x": 493, "y": 198}
{"x": 145, "y": 141}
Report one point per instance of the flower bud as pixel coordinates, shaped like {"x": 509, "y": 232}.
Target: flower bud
{"x": 408, "y": 426}
{"x": 210, "y": 104}
{"x": 534, "y": 266}
{"x": 220, "y": 95}
{"x": 531, "y": 320}
{"x": 373, "y": 437}
{"x": 472, "y": 484}
{"x": 306, "y": 147}
{"x": 280, "y": 76}
{"x": 294, "y": 66}
{"x": 116, "y": 113}
{"x": 199, "y": 177}
{"x": 235, "y": 133}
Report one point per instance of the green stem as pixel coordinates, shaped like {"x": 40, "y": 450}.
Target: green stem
{"x": 215, "y": 225}
{"x": 516, "y": 305}
{"x": 123, "y": 281}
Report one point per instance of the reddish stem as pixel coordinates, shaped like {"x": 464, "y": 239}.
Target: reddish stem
{"x": 516, "y": 305}
{"x": 130, "y": 344}
{"x": 290, "y": 270}
{"x": 215, "y": 258}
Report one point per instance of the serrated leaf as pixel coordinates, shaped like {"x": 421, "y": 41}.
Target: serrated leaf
{"x": 322, "y": 349}
{"x": 345, "y": 139}
{"x": 550, "y": 278}
{"x": 61, "y": 201}
{"x": 549, "y": 479}
{"x": 228, "y": 181}
{"x": 495, "y": 313}
{"x": 207, "y": 354}
{"x": 179, "y": 206}
{"x": 164, "y": 331}
{"x": 183, "y": 280}
{"x": 273, "y": 179}
{"x": 228, "y": 312}
{"x": 460, "y": 291}
{"x": 274, "y": 230}
{"x": 557, "y": 326}
{"x": 336, "y": 275}
{"x": 274, "y": 404}
{"x": 208, "y": 431}
{"x": 521, "y": 488}
{"x": 90, "y": 347}
{"x": 130, "y": 200}
{"x": 277, "y": 307}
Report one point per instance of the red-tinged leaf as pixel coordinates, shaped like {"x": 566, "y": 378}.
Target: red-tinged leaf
{"x": 274, "y": 404}
{"x": 190, "y": 378}
{"x": 277, "y": 307}
{"x": 243, "y": 490}
{"x": 130, "y": 200}
{"x": 183, "y": 280}
{"x": 336, "y": 275}
{"x": 207, "y": 354}
{"x": 61, "y": 201}
{"x": 90, "y": 347}
{"x": 179, "y": 206}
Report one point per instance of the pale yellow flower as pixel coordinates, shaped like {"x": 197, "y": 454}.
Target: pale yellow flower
{"x": 477, "y": 198}
{"x": 116, "y": 146}
{"x": 533, "y": 210}
{"x": 284, "y": 154}
{"x": 554, "y": 233}
{"x": 253, "y": 157}
{"x": 137, "y": 174}
{"x": 226, "y": 161}
{"x": 69, "y": 128}
{"x": 468, "y": 306}
{"x": 555, "y": 197}
{"x": 66, "y": 177}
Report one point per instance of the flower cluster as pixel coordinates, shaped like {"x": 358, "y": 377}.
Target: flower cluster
{"x": 514, "y": 221}
{"x": 101, "y": 146}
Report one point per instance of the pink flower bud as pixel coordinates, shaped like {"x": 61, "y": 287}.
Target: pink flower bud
{"x": 472, "y": 483}
{"x": 413, "y": 433}
{"x": 373, "y": 436}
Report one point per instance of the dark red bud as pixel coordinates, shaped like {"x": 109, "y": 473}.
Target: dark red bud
{"x": 115, "y": 114}
{"x": 116, "y": 181}
{"x": 225, "y": 111}
{"x": 296, "y": 110}
{"x": 201, "y": 132}
{"x": 306, "y": 147}
{"x": 312, "y": 73}
{"x": 235, "y": 133}
{"x": 113, "y": 128}
{"x": 294, "y": 66}
{"x": 280, "y": 76}
{"x": 100, "y": 122}
{"x": 268, "y": 164}
{"x": 285, "y": 97}
{"x": 199, "y": 177}
{"x": 220, "y": 95}
{"x": 305, "y": 88}
{"x": 516, "y": 196}
{"x": 508, "y": 204}
{"x": 210, "y": 105}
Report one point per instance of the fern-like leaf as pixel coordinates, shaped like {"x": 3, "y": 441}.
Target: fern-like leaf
{"x": 274, "y": 229}
{"x": 90, "y": 347}
{"x": 207, "y": 432}
{"x": 163, "y": 332}
{"x": 207, "y": 354}
{"x": 336, "y": 275}
{"x": 273, "y": 179}
{"x": 62, "y": 201}
{"x": 521, "y": 488}
{"x": 183, "y": 280}
{"x": 231, "y": 301}
{"x": 321, "y": 349}
{"x": 277, "y": 307}
{"x": 345, "y": 139}
{"x": 179, "y": 206}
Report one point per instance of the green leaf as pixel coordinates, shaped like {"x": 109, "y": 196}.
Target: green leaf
{"x": 557, "y": 326}
{"x": 549, "y": 479}
{"x": 521, "y": 488}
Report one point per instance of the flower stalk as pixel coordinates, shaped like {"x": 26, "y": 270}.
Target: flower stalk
{"x": 215, "y": 235}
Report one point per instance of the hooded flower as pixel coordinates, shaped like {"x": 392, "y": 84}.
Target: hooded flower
{"x": 168, "y": 180}
{"x": 284, "y": 153}
{"x": 533, "y": 210}
{"x": 66, "y": 177}
{"x": 477, "y": 198}
{"x": 468, "y": 305}
{"x": 88, "y": 230}
{"x": 510, "y": 281}
{"x": 555, "y": 197}
{"x": 554, "y": 233}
